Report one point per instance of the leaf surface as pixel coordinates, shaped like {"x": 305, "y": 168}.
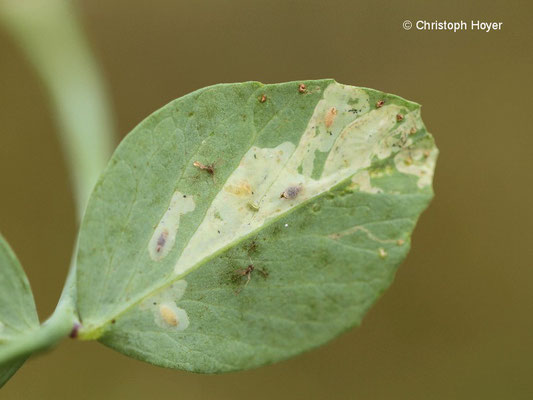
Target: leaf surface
{"x": 245, "y": 223}
{"x": 17, "y": 309}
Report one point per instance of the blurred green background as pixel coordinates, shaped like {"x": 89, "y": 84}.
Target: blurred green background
{"x": 458, "y": 321}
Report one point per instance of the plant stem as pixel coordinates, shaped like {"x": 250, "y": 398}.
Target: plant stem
{"x": 50, "y": 35}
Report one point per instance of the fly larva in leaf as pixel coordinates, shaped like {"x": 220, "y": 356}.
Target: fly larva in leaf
{"x": 161, "y": 241}
{"x": 330, "y": 117}
{"x": 291, "y": 192}
{"x": 168, "y": 315}
{"x": 252, "y": 205}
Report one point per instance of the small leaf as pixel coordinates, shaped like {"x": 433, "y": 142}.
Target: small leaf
{"x": 245, "y": 223}
{"x": 17, "y": 309}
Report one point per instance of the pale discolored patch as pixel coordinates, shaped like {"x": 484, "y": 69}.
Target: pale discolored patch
{"x": 418, "y": 162}
{"x": 361, "y": 182}
{"x": 164, "y": 235}
{"x": 164, "y": 308}
{"x": 243, "y": 188}
{"x": 238, "y": 208}
{"x": 371, "y": 135}
{"x": 322, "y": 131}
{"x": 353, "y": 230}
{"x": 262, "y": 186}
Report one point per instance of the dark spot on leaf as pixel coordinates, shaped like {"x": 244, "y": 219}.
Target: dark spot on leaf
{"x": 251, "y": 247}
{"x": 276, "y": 231}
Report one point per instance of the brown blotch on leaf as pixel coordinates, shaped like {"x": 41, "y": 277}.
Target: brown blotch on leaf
{"x": 399, "y": 117}
{"x": 302, "y": 88}
{"x": 412, "y": 131}
{"x": 380, "y": 103}
{"x": 252, "y": 247}
{"x": 263, "y": 98}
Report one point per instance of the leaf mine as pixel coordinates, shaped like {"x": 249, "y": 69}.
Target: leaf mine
{"x": 165, "y": 233}
{"x": 166, "y": 313}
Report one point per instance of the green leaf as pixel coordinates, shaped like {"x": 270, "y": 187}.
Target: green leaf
{"x": 18, "y": 315}
{"x": 245, "y": 223}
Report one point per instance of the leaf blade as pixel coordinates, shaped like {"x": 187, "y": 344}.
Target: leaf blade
{"x": 18, "y": 314}
{"x": 272, "y": 137}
